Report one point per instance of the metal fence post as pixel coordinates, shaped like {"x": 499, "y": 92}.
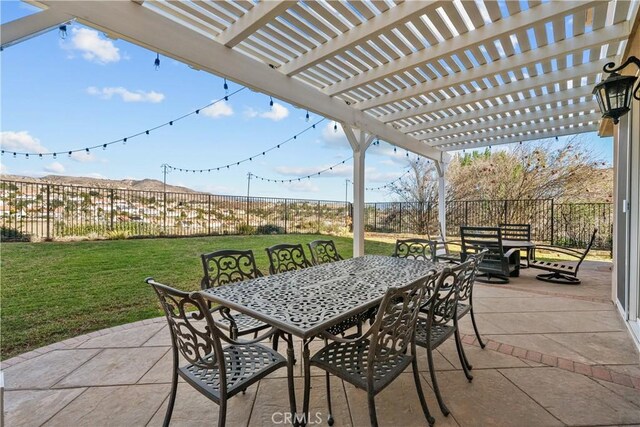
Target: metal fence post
{"x": 466, "y": 212}
{"x": 48, "y": 212}
{"x": 553, "y": 221}
{"x": 209, "y": 215}
{"x": 400, "y": 218}
{"x": 506, "y": 207}
{"x": 375, "y": 217}
{"x": 164, "y": 213}
{"x": 112, "y": 211}
{"x": 286, "y": 215}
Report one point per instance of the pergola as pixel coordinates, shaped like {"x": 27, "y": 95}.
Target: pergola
{"x": 426, "y": 76}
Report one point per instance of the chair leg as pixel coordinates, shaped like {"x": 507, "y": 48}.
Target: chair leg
{"x": 307, "y": 382}
{"x": 290, "y": 363}
{"x": 462, "y": 356}
{"x": 434, "y": 381}
{"x": 475, "y": 328}
{"x": 222, "y": 413}
{"x": 372, "y": 409}
{"x": 276, "y": 337}
{"x": 172, "y": 399}
{"x": 330, "y": 417}
{"x": 423, "y": 402}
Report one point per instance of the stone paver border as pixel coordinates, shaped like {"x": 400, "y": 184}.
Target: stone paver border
{"x": 594, "y": 371}
{"x": 549, "y": 293}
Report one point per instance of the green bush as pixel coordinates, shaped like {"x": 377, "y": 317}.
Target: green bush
{"x": 269, "y": 229}
{"x": 245, "y": 229}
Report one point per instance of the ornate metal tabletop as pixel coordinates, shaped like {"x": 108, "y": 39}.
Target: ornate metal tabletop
{"x": 306, "y": 302}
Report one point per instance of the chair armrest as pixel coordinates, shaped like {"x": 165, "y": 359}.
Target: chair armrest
{"x": 336, "y": 338}
{"x": 511, "y": 252}
{"x": 257, "y": 339}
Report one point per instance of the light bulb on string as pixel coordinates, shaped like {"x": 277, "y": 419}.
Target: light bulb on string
{"x": 335, "y": 127}
{"x": 307, "y": 117}
{"x": 156, "y": 63}
{"x": 270, "y": 102}
{"x": 226, "y": 89}
{"x": 62, "y": 31}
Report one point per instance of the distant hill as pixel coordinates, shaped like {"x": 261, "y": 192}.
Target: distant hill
{"x": 128, "y": 184}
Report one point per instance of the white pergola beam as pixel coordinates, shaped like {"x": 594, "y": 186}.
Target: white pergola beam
{"x": 460, "y": 134}
{"x": 545, "y": 126}
{"x": 459, "y": 44}
{"x": 580, "y": 43}
{"x": 256, "y": 18}
{"x": 539, "y": 81}
{"x": 434, "y": 127}
{"x": 532, "y": 137}
{"x": 369, "y": 30}
{"x": 146, "y": 28}
{"x": 30, "y": 26}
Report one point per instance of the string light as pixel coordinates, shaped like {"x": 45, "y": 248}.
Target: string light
{"x": 250, "y": 159}
{"x": 156, "y": 63}
{"x": 62, "y": 31}
{"x": 315, "y": 174}
{"x": 125, "y": 139}
{"x": 306, "y": 118}
{"x": 388, "y": 184}
{"x": 335, "y": 127}
{"x": 270, "y": 102}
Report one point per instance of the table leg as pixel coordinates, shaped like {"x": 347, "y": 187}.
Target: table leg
{"x": 307, "y": 381}
{"x": 290, "y": 362}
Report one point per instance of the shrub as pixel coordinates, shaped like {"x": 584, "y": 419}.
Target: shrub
{"x": 245, "y": 229}
{"x": 12, "y": 235}
{"x": 269, "y": 229}
{"x": 117, "y": 234}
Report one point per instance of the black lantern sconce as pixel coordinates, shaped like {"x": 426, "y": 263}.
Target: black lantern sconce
{"x": 614, "y": 94}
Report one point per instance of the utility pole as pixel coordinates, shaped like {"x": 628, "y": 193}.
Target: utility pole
{"x": 165, "y": 170}
{"x": 346, "y": 202}
{"x": 249, "y": 175}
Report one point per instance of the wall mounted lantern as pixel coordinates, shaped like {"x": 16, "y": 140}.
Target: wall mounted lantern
{"x": 614, "y": 94}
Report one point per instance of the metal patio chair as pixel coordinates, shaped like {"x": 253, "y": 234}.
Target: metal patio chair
{"x": 286, "y": 257}
{"x": 465, "y": 297}
{"x": 497, "y": 265}
{"x": 217, "y": 372}
{"x": 230, "y": 266}
{"x": 371, "y": 362}
{"x": 421, "y": 249}
{"x": 563, "y": 272}
{"x": 442, "y": 251}
{"x": 441, "y": 320}
{"x": 323, "y": 251}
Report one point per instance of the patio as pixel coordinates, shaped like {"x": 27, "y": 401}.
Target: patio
{"x": 556, "y": 355}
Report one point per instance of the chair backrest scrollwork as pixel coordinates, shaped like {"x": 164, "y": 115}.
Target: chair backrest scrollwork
{"x": 421, "y": 249}
{"x": 324, "y": 251}
{"x": 228, "y": 266}
{"x": 286, "y": 257}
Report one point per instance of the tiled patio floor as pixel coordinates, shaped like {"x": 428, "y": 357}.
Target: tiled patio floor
{"x": 557, "y": 355}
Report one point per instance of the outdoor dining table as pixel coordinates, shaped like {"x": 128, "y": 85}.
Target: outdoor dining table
{"x": 304, "y": 303}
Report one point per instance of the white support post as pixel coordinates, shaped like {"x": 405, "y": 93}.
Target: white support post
{"x": 442, "y": 206}
{"x": 359, "y": 144}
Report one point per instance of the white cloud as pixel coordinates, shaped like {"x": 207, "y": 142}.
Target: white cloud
{"x": 20, "y": 141}
{"x": 83, "y": 157}
{"x": 55, "y": 167}
{"x": 334, "y": 138}
{"x": 126, "y": 95}
{"x": 304, "y": 186}
{"x": 220, "y": 109}
{"x": 92, "y": 47}
{"x": 276, "y": 113}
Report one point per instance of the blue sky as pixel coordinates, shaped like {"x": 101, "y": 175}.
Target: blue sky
{"x": 87, "y": 90}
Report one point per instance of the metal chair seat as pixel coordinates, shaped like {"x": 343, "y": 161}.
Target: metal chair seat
{"x": 554, "y": 266}
{"x": 245, "y": 364}
{"x": 349, "y": 362}
{"x": 439, "y": 333}
{"x": 245, "y": 324}
{"x": 354, "y": 321}
{"x": 462, "y": 309}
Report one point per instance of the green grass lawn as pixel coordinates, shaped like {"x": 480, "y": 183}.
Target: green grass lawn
{"x": 53, "y": 291}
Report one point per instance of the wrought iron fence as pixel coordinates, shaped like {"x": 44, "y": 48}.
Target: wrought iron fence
{"x": 50, "y": 211}
{"x": 566, "y": 224}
